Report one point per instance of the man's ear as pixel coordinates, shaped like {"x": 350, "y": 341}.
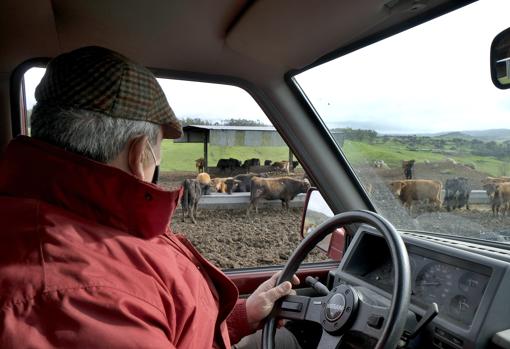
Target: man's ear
{"x": 136, "y": 156}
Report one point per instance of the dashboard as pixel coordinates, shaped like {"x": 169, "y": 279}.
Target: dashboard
{"x": 455, "y": 288}
{"x": 467, "y": 283}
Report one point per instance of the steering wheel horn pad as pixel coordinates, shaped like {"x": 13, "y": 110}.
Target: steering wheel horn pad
{"x": 339, "y": 309}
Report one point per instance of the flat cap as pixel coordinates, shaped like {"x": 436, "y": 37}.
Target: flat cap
{"x": 100, "y": 80}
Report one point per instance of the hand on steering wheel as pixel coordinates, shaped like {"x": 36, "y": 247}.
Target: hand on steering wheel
{"x": 344, "y": 309}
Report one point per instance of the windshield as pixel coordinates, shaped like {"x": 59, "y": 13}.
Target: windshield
{"x": 422, "y": 124}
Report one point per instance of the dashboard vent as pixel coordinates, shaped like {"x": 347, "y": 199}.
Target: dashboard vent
{"x": 462, "y": 244}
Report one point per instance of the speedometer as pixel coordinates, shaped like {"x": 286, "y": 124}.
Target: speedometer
{"x": 434, "y": 283}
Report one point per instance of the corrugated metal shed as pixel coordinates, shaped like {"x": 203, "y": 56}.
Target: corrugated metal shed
{"x": 249, "y": 136}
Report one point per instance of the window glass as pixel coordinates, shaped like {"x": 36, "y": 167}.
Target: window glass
{"x": 423, "y": 124}
{"x": 235, "y": 129}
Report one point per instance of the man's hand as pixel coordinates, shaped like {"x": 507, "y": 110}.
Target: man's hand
{"x": 261, "y": 302}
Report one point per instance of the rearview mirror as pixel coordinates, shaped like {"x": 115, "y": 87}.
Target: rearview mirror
{"x": 316, "y": 211}
{"x": 500, "y": 60}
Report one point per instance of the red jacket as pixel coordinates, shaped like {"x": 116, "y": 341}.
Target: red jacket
{"x": 87, "y": 260}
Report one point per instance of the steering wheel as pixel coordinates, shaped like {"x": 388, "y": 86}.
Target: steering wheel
{"x": 344, "y": 308}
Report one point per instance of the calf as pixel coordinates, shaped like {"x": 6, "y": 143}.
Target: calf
{"x": 267, "y": 162}
{"x": 501, "y": 198}
{"x": 205, "y": 182}
{"x": 279, "y": 188}
{"x": 191, "y": 196}
{"x": 457, "y": 192}
{"x": 417, "y": 190}
{"x": 200, "y": 163}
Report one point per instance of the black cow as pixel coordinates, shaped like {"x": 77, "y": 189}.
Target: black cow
{"x": 294, "y": 165}
{"x": 251, "y": 162}
{"x": 191, "y": 196}
{"x": 229, "y": 163}
{"x": 457, "y": 192}
{"x": 241, "y": 183}
{"x": 278, "y": 188}
{"x": 268, "y": 162}
{"x": 408, "y": 168}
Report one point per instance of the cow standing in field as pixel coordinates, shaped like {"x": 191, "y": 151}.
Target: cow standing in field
{"x": 501, "y": 199}
{"x": 267, "y": 162}
{"x": 408, "y": 166}
{"x": 231, "y": 164}
{"x": 241, "y": 183}
{"x": 189, "y": 201}
{"x": 457, "y": 192}
{"x": 279, "y": 188}
{"x": 412, "y": 190}
{"x": 250, "y": 162}
{"x": 200, "y": 164}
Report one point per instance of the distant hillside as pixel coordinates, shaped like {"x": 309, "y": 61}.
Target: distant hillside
{"x": 451, "y": 135}
{"x": 497, "y": 135}
{"x": 502, "y": 134}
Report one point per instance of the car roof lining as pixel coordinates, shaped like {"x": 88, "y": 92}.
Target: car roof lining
{"x": 254, "y": 40}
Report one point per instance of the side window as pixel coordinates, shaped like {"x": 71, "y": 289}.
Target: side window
{"x": 227, "y": 140}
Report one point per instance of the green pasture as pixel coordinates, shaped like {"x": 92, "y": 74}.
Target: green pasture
{"x": 182, "y": 156}
{"x": 359, "y": 153}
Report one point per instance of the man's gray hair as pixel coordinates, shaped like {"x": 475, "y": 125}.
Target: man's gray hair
{"x": 87, "y": 133}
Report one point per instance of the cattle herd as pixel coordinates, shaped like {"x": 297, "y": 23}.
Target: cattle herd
{"x": 456, "y": 193}
{"x": 259, "y": 185}
{"x": 409, "y": 191}
{"x": 232, "y": 164}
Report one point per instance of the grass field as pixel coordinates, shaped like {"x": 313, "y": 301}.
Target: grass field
{"x": 359, "y": 153}
{"x": 181, "y": 156}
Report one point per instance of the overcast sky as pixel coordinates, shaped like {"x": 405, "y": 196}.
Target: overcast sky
{"x": 432, "y": 78}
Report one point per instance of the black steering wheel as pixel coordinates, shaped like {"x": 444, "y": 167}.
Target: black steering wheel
{"x": 344, "y": 308}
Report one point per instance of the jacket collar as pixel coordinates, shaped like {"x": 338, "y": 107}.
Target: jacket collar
{"x": 34, "y": 169}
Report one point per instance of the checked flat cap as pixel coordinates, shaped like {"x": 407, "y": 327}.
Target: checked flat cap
{"x": 103, "y": 81}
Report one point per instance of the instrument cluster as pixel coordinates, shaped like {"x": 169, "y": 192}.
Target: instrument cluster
{"x": 456, "y": 290}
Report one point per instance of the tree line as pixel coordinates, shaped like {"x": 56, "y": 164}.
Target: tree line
{"x": 225, "y": 122}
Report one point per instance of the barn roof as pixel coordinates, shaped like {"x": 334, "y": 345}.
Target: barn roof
{"x": 230, "y": 128}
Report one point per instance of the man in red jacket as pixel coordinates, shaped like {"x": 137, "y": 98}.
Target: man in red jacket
{"x": 87, "y": 258}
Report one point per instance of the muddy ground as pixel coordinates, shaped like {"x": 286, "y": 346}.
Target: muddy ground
{"x": 230, "y": 240}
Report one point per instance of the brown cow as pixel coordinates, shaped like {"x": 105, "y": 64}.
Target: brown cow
{"x": 278, "y": 188}
{"x": 417, "y": 190}
{"x": 200, "y": 164}
{"x": 220, "y": 185}
{"x": 501, "y": 198}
